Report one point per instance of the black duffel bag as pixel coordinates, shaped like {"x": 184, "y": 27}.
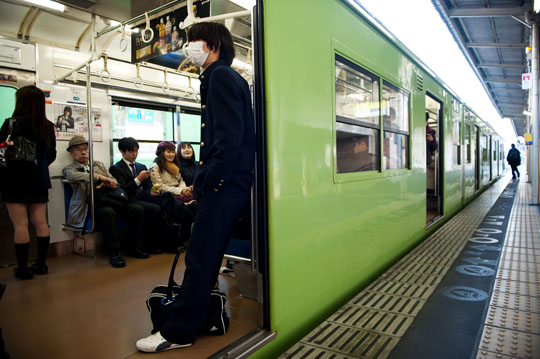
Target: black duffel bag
{"x": 162, "y": 297}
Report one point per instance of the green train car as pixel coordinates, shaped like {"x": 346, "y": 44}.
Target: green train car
{"x": 362, "y": 151}
{"x": 352, "y": 181}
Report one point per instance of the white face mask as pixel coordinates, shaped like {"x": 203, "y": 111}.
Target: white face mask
{"x": 195, "y": 53}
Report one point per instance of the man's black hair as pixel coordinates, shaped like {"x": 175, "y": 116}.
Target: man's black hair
{"x": 128, "y": 144}
{"x": 216, "y": 36}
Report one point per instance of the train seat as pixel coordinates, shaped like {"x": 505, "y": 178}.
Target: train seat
{"x": 68, "y": 192}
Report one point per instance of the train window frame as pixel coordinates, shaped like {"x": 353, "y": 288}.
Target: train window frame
{"x": 362, "y": 127}
{"x": 340, "y": 51}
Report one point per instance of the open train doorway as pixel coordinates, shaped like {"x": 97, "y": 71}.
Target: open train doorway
{"x": 434, "y": 162}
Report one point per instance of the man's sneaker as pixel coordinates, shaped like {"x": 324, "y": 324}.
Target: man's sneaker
{"x": 155, "y": 343}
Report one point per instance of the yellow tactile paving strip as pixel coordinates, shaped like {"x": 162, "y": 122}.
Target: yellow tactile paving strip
{"x": 373, "y": 322}
{"x": 512, "y": 326}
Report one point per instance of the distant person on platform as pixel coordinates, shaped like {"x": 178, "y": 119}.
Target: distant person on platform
{"x": 514, "y": 160}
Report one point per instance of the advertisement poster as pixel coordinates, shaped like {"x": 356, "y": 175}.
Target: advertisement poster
{"x": 70, "y": 120}
{"x": 165, "y": 47}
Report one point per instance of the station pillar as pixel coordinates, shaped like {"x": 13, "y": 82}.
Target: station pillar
{"x": 533, "y": 174}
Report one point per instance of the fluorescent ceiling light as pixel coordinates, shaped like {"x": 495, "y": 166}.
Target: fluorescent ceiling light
{"x": 48, "y": 4}
{"x": 246, "y": 4}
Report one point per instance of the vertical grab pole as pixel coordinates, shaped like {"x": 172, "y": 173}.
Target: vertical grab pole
{"x": 536, "y": 110}
{"x": 89, "y": 121}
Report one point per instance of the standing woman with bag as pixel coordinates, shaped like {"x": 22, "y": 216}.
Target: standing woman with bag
{"x": 24, "y": 185}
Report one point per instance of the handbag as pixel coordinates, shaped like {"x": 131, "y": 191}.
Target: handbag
{"x": 162, "y": 297}
{"x": 20, "y": 148}
{"x": 110, "y": 197}
{"x": 185, "y": 198}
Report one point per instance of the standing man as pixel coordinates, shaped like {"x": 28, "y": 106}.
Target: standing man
{"x": 514, "y": 160}
{"x": 223, "y": 183}
{"x": 134, "y": 179}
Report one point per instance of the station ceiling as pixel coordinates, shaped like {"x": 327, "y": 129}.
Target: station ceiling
{"x": 493, "y": 35}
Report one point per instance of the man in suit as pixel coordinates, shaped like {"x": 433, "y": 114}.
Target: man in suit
{"x": 134, "y": 179}
{"x": 106, "y": 212}
{"x": 222, "y": 186}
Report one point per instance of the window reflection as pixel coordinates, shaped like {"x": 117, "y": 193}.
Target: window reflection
{"x": 356, "y": 148}
{"x": 396, "y": 150}
{"x": 395, "y": 109}
{"x": 357, "y": 93}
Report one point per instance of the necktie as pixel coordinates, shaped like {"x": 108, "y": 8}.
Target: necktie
{"x": 133, "y": 170}
{"x": 139, "y": 190}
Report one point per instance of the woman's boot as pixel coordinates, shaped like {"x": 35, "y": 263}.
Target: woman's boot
{"x": 43, "y": 248}
{"x": 22, "y": 271}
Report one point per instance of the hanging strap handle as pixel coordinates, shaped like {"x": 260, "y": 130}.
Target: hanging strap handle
{"x": 172, "y": 283}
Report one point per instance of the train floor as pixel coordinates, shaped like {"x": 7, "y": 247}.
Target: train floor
{"x": 470, "y": 290}
{"x": 84, "y": 308}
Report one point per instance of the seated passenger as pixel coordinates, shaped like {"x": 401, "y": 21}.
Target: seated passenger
{"x": 188, "y": 164}
{"x": 134, "y": 179}
{"x": 166, "y": 178}
{"x": 107, "y": 206}
{"x": 353, "y": 155}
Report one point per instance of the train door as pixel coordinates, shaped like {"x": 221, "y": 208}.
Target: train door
{"x": 7, "y": 256}
{"x": 476, "y": 154}
{"x": 434, "y": 161}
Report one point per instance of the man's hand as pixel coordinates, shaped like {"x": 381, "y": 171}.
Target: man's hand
{"x": 143, "y": 175}
{"x": 108, "y": 182}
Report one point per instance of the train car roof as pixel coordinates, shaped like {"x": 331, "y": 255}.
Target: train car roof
{"x": 378, "y": 25}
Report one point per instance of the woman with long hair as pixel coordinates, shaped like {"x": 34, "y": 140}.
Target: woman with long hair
{"x": 24, "y": 187}
{"x": 188, "y": 165}
{"x": 166, "y": 177}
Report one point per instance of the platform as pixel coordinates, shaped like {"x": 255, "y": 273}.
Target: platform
{"x": 469, "y": 290}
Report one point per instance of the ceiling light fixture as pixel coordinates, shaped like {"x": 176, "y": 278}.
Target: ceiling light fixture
{"x": 48, "y": 4}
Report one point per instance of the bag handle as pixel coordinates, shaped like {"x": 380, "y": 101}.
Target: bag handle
{"x": 10, "y": 131}
{"x": 171, "y": 278}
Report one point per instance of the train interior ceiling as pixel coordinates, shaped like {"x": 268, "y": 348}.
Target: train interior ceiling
{"x": 146, "y": 92}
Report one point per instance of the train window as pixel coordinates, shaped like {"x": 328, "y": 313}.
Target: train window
{"x": 395, "y": 110}
{"x": 357, "y": 94}
{"x": 190, "y": 131}
{"x": 456, "y": 138}
{"x": 356, "y": 148}
{"x": 357, "y": 118}
{"x": 468, "y": 141}
{"x": 7, "y": 102}
{"x": 149, "y": 126}
{"x": 484, "y": 145}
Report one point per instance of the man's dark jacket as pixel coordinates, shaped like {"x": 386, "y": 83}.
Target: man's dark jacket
{"x": 227, "y": 130}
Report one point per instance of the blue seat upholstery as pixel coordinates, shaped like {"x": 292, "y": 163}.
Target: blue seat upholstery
{"x": 239, "y": 248}
{"x": 68, "y": 192}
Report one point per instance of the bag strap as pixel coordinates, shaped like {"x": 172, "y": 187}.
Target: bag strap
{"x": 10, "y": 131}
{"x": 172, "y": 283}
